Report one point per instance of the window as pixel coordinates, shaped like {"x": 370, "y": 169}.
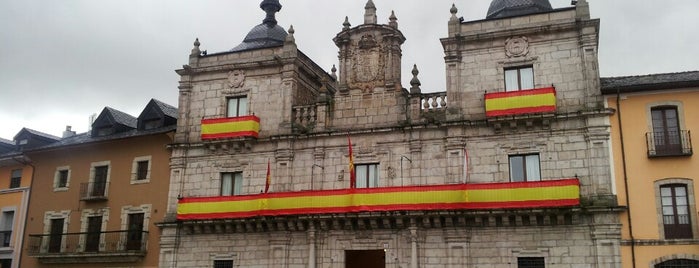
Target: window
{"x": 675, "y": 209}
{"x": 678, "y": 263}
{"x": 367, "y": 175}
{"x": 519, "y": 78}
{"x": 61, "y": 178}
{"x": 134, "y": 240}
{"x": 104, "y": 131}
{"x": 231, "y": 183}
{"x": 152, "y": 123}
{"x": 530, "y": 262}
{"x": 666, "y": 130}
{"x": 94, "y": 233}
{"x": 142, "y": 170}
{"x": 16, "y": 178}
{"x": 56, "y": 235}
{"x": 99, "y": 184}
{"x": 223, "y": 263}
{"x": 237, "y": 106}
{"x": 525, "y": 168}
{"x": 8, "y": 218}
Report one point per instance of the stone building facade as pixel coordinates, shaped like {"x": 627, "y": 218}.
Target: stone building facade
{"x": 510, "y": 167}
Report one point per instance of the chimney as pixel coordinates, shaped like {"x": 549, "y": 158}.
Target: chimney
{"x": 68, "y": 133}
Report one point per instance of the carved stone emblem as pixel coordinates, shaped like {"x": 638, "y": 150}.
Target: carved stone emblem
{"x": 368, "y": 63}
{"x": 516, "y": 46}
{"x": 236, "y": 78}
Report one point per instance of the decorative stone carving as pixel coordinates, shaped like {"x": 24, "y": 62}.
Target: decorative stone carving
{"x": 236, "y": 78}
{"x": 368, "y": 63}
{"x": 517, "y": 46}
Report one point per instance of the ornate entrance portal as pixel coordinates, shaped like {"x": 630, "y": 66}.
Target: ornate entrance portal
{"x": 365, "y": 259}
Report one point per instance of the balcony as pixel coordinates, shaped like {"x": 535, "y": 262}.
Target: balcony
{"x": 102, "y": 247}
{"x": 452, "y": 197}
{"x": 522, "y": 102}
{"x": 669, "y": 143}
{"x": 93, "y": 191}
{"x": 231, "y": 127}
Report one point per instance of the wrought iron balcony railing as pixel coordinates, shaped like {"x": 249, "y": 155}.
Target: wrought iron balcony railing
{"x": 669, "y": 143}
{"x": 87, "y": 243}
{"x": 93, "y": 191}
{"x": 6, "y": 238}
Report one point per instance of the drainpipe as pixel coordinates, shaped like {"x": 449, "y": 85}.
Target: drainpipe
{"x": 626, "y": 179}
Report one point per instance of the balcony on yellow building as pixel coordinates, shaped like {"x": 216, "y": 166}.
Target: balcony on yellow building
{"x": 89, "y": 247}
{"x": 451, "y": 197}
{"x": 669, "y": 143}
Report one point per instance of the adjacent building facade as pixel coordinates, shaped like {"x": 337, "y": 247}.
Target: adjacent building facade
{"x": 96, "y": 196}
{"x": 655, "y": 167}
{"x": 278, "y": 163}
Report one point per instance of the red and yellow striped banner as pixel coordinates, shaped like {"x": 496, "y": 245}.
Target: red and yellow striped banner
{"x": 539, "y": 100}
{"x": 558, "y": 193}
{"x": 243, "y": 126}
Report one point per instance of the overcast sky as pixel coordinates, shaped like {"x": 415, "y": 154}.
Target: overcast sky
{"x": 61, "y": 61}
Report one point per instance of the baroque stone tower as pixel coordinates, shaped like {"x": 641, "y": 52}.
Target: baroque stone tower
{"x": 370, "y": 54}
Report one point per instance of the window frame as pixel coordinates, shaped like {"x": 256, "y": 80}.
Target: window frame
{"x": 57, "y": 179}
{"x": 237, "y": 112}
{"x": 93, "y": 168}
{"x": 518, "y": 70}
{"x": 126, "y": 211}
{"x": 676, "y": 229}
{"x": 235, "y": 188}
{"x": 375, "y": 167}
{"x": 135, "y": 169}
{"x": 85, "y": 216}
{"x": 691, "y": 203}
{"x": 665, "y": 145}
{"x": 15, "y": 180}
{"x": 525, "y": 169}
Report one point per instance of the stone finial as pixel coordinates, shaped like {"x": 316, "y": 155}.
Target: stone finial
{"x": 370, "y": 13}
{"x": 453, "y": 10}
{"x": 415, "y": 82}
{"x": 270, "y": 7}
{"x": 195, "y": 49}
{"x": 290, "y": 37}
{"x": 334, "y": 72}
{"x": 582, "y": 10}
{"x": 346, "y": 25}
{"x": 392, "y": 20}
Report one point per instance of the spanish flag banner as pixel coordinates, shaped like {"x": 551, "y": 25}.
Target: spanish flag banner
{"x": 541, "y": 100}
{"x": 540, "y": 194}
{"x": 243, "y": 126}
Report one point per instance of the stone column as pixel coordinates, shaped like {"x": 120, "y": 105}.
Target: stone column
{"x": 413, "y": 247}
{"x": 311, "y": 247}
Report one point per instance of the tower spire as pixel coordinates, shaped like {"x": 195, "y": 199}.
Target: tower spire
{"x": 370, "y": 13}
{"x": 271, "y": 7}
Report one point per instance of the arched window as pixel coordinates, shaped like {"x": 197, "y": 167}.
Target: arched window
{"x": 678, "y": 263}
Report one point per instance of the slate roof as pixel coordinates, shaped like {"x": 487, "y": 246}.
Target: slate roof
{"x": 87, "y": 138}
{"x": 37, "y": 133}
{"x": 610, "y": 85}
{"x": 167, "y": 109}
{"x": 6, "y": 142}
{"x": 265, "y": 35}
{"x": 512, "y": 8}
{"x": 122, "y": 117}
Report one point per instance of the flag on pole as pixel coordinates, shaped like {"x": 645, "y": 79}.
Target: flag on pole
{"x": 353, "y": 178}
{"x": 269, "y": 178}
{"x": 465, "y": 165}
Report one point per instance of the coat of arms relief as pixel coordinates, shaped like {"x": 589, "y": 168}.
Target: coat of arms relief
{"x": 368, "y": 64}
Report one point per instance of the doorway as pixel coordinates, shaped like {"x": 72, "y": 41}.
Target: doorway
{"x": 365, "y": 259}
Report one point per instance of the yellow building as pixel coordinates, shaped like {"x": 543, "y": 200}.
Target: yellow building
{"x": 655, "y": 168}
{"x": 96, "y": 196}
{"x": 16, "y": 173}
